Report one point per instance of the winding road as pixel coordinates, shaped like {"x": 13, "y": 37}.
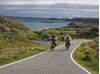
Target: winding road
{"x": 54, "y": 62}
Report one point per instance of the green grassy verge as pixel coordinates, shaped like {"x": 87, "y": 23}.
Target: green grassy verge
{"x": 11, "y": 57}
{"x": 17, "y": 54}
{"x": 87, "y": 58}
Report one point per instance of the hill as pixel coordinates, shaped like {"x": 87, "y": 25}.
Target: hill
{"x": 16, "y": 41}
{"x": 14, "y": 34}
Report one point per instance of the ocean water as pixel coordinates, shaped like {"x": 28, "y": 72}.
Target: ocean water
{"x": 40, "y": 24}
{"x": 44, "y": 42}
{"x": 37, "y": 25}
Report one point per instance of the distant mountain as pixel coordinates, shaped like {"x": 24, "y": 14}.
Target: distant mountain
{"x": 84, "y": 20}
{"x": 95, "y": 20}
{"x": 33, "y": 18}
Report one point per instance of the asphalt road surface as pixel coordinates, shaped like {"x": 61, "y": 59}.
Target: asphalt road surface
{"x": 55, "y": 62}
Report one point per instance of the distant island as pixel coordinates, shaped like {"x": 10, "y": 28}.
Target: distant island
{"x": 84, "y": 20}
{"x": 47, "y": 21}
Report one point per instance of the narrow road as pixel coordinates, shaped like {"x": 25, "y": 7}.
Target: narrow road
{"x": 57, "y": 62}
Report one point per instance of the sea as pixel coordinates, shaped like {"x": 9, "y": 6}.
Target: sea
{"x": 38, "y": 24}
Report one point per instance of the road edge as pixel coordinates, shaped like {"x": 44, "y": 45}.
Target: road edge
{"x": 12, "y": 63}
{"x": 71, "y": 55}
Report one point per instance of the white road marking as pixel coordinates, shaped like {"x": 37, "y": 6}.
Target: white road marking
{"x": 26, "y": 58}
{"x": 43, "y": 53}
{"x": 22, "y": 60}
{"x": 71, "y": 55}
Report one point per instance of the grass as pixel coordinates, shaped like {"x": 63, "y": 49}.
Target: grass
{"x": 12, "y": 57}
{"x": 59, "y": 31}
{"x": 87, "y": 58}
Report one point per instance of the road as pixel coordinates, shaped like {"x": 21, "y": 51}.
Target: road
{"x": 55, "y": 62}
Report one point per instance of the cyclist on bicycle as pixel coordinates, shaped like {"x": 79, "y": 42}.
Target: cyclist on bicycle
{"x": 53, "y": 39}
{"x": 67, "y": 41}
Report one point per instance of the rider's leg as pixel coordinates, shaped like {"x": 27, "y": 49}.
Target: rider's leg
{"x": 55, "y": 44}
{"x": 69, "y": 43}
{"x": 51, "y": 48}
{"x": 52, "y": 45}
{"x": 65, "y": 43}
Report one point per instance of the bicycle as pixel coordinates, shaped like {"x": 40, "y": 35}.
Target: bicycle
{"x": 53, "y": 45}
{"x": 67, "y": 44}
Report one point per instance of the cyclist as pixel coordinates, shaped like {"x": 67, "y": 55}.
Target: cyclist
{"x": 67, "y": 41}
{"x": 53, "y": 39}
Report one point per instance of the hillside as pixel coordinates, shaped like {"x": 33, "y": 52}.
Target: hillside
{"x": 16, "y": 41}
{"x": 87, "y": 55}
{"x": 13, "y": 33}
{"x": 76, "y": 29}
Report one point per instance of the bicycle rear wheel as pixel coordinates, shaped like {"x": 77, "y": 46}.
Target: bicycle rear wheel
{"x": 67, "y": 45}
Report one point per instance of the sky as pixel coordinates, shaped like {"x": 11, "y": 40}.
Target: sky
{"x": 43, "y": 2}
{"x": 50, "y": 8}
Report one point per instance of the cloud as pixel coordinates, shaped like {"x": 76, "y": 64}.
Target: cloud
{"x": 48, "y": 12}
{"x": 50, "y": 8}
{"x": 53, "y": 6}
{"x": 46, "y": 2}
